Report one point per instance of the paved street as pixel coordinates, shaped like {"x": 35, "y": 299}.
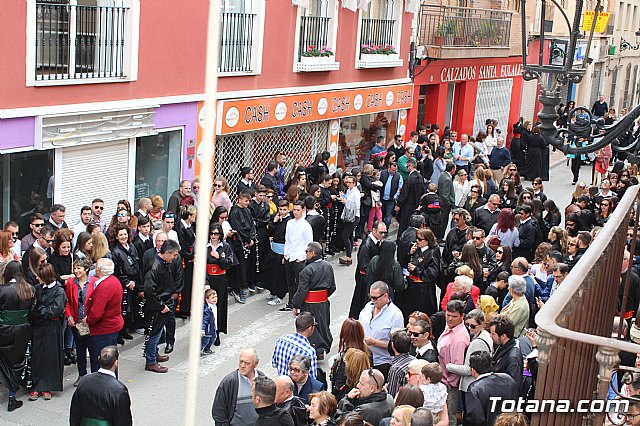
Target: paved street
{"x": 159, "y": 399}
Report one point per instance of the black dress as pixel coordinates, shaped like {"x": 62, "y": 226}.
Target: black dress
{"x": 47, "y": 356}
{"x": 15, "y": 333}
{"x": 537, "y": 164}
{"x": 127, "y": 269}
{"x": 420, "y": 294}
{"x": 217, "y": 280}
{"x": 273, "y": 276}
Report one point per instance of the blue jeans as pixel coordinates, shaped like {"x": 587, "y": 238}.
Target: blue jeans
{"x": 207, "y": 341}
{"x": 153, "y": 336}
{"x": 96, "y": 343}
{"x": 82, "y": 344}
{"x": 387, "y": 211}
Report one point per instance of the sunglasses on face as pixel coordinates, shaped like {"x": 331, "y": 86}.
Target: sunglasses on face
{"x": 474, "y": 192}
{"x": 604, "y": 205}
{"x": 471, "y": 326}
{"x": 122, "y": 215}
{"x": 375, "y": 298}
{"x": 420, "y": 239}
{"x": 214, "y": 233}
{"x": 499, "y": 251}
{"x": 414, "y": 334}
{"x": 38, "y": 225}
{"x": 98, "y": 207}
{"x": 49, "y": 241}
{"x": 477, "y": 238}
{"x": 572, "y": 244}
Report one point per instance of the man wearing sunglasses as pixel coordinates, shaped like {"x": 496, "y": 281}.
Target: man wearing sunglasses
{"x": 368, "y": 398}
{"x": 44, "y": 241}
{"x": 379, "y": 317}
{"x": 13, "y": 227}
{"x": 36, "y": 222}
{"x": 97, "y": 208}
{"x": 486, "y": 216}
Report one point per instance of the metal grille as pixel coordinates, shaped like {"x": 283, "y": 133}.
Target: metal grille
{"x": 79, "y": 42}
{"x": 314, "y": 32}
{"x": 493, "y": 101}
{"x": 300, "y": 143}
{"x": 236, "y": 42}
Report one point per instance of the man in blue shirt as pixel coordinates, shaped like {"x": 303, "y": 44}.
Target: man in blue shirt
{"x": 392, "y": 184}
{"x": 463, "y": 153}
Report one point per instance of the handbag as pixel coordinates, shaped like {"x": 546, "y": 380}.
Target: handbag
{"x": 83, "y": 330}
{"x": 349, "y": 212}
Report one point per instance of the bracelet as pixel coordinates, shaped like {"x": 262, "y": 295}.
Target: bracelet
{"x": 534, "y": 347}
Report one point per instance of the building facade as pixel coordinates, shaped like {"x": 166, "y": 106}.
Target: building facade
{"x": 470, "y": 65}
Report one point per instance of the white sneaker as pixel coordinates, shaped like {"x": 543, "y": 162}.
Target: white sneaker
{"x": 271, "y": 297}
{"x": 275, "y": 301}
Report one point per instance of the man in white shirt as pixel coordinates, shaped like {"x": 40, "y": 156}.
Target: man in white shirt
{"x": 379, "y": 318}
{"x": 81, "y": 226}
{"x": 144, "y": 207}
{"x": 297, "y": 236}
{"x": 57, "y": 214}
{"x": 168, "y": 220}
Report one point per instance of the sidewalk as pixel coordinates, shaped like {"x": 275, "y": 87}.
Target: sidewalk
{"x": 556, "y": 158}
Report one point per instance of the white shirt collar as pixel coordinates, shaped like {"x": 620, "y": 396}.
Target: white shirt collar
{"x": 50, "y": 285}
{"x": 144, "y": 238}
{"x": 374, "y": 239}
{"x": 143, "y": 213}
{"x": 185, "y": 224}
{"x": 107, "y": 372}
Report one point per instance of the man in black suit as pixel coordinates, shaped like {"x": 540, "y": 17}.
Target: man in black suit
{"x": 481, "y": 406}
{"x": 410, "y": 195}
{"x": 100, "y": 396}
{"x": 527, "y": 234}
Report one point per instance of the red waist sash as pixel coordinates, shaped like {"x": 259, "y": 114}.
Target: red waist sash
{"x": 213, "y": 269}
{"x": 317, "y": 296}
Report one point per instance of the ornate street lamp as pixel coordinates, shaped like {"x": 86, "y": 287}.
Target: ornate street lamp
{"x": 552, "y": 77}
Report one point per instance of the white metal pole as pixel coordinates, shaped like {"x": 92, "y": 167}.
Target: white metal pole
{"x": 202, "y": 218}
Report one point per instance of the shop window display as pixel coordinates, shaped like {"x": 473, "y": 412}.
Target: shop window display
{"x": 358, "y": 135}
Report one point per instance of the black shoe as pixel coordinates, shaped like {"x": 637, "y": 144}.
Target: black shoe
{"x": 14, "y": 404}
{"x": 126, "y": 335}
{"x": 217, "y": 341}
{"x": 168, "y": 349}
{"x": 120, "y": 340}
{"x": 285, "y": 308}
{"x": 251, "y": 288}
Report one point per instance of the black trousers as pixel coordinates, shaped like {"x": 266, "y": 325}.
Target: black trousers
{"x": 185, "y": 301}
{"x": 347, "y": 235}
{"x": 575, "y": 167}
{"x": 292, "y": 271}
{"x": 170, "y": 325}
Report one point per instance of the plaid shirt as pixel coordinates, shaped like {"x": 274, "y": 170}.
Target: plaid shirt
{"x": 287, "y": 347}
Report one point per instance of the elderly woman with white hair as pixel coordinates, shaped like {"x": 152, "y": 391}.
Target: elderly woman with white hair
{"x": 518, "y": 308}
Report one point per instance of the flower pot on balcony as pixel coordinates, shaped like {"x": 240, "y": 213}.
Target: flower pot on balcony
{"x": 371, "y": 57}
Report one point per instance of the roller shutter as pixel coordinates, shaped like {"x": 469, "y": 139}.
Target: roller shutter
{"x": 92, "y": 171}
{"x": 493, "y": 101}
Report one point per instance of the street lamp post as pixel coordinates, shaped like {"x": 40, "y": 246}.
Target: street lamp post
{"x": 552, "y": 77}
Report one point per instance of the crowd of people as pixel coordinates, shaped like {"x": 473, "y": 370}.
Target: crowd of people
{"x": 440, "y": 320}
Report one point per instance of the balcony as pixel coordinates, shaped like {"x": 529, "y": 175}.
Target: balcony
{"x": 378, "y": 32}
{"x": 237, "y": 43}
{"x": 462, "y": 32}
{"x": 314, "y": 34}
{"x": 75, "y": 43}
{"x": 577, "y": 351}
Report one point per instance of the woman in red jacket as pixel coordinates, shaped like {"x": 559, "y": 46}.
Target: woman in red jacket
{"x": 77, "y": 290}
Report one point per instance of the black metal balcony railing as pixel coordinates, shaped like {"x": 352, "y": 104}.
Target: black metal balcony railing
{"x": 236, "y": 42}
{"x": 79, "y": 42}
{"x": 314, "y": 31}
{"x": 377, "y": 31}
{"x": 452, "y": 26}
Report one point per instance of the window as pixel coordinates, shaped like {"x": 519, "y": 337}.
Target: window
{"x": 627, "y": 82}
{"x": 380, "y": 27}
{"x": 317, "y": 32}
{"x": 358, "y": 136}
{"x": 240, "y": 36}
{"x": 26, "y": 179}
{"x": 82, "y": 40}
{"x": 612, "y": 96}
{"x": 158, "y": 164}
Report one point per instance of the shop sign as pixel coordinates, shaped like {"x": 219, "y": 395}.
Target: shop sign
{"x": 479, "y": 72}
{"x": 259, "y": 113}
{"x": 601, "y": 22}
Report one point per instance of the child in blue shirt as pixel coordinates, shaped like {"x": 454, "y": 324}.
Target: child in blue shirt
{"x": 209, "y": 330}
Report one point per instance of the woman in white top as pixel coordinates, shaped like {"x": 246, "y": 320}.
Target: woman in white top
{"x": 350, "y": 216}
{"x": 490, "y": 140}
{"x": 461, "y": 187}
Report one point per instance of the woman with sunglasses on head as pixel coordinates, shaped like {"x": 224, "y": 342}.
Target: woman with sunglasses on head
{"x": 221, "y": 193}
{"x": 424, "y": 269}
{"x": 480, "y": 341}
{"x": 219, "y": 259}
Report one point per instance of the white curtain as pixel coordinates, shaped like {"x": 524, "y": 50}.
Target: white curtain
{"x": 352, "y": 5}
{"x": 412, "y": 6}
{"x": 363, "y": 5}
{"x": 303, "y": 3}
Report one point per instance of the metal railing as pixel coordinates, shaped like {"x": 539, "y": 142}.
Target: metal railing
{"x": 236, "y": 42}
{"x": 576, "y": 350}
{"x": 79, "y": 42}
{"x": 377, "y": 31}
{"x": 314, "y": 31}
{"x": 453, "y": 26}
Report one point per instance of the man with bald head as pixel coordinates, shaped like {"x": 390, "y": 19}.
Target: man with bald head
{"x": 287, "y": 401}
{"x": 103, "y": 310}
{"x": 368, "y": 398}
{"x": 233, "y": 404}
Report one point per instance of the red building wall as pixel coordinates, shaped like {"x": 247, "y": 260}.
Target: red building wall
{"x": 172, "y": 51}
